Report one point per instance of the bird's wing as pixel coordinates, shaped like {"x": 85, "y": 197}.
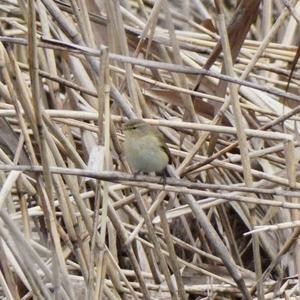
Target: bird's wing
{"x": 163, "y": 145}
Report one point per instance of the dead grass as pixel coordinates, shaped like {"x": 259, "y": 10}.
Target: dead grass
{"x": 75, "y": 224}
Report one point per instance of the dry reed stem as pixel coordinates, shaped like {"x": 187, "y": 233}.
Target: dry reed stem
{"x": 72, "y": 74}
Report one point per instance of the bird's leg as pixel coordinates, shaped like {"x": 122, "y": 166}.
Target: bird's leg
{"x": 136, "y": 173}
{"x": 163, "y": 178}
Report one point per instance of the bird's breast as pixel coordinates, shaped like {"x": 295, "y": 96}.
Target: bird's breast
{"x": 145, "y": 154}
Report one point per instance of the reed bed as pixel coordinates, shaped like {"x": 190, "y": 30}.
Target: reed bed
{"x": 220, "y": 79}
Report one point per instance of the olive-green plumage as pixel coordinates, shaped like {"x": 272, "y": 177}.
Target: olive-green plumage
{"x": 145, "y": 148}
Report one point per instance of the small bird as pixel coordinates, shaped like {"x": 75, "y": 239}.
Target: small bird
{"x": 145, "y": 147}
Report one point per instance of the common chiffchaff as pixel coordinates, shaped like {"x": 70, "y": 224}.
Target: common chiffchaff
{"x": 145, "y": 147}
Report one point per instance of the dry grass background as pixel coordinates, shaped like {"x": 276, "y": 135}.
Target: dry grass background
{"x": 213, "y": 75}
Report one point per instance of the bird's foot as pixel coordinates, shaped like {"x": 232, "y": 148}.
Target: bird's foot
{"x": 135, "y": 174}
{"x": 163, "y": 178}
